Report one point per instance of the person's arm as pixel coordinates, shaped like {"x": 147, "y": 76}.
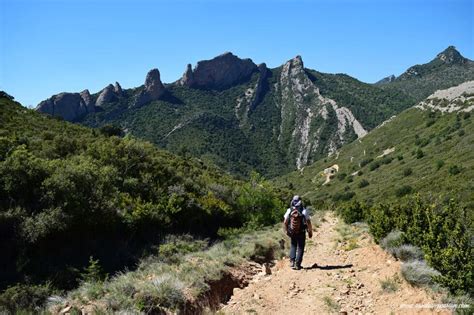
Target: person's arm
{"x": 310, "y": 228}
{"x": 285, "y": 225}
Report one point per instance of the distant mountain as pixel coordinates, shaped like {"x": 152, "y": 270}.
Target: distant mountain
{"x": 244, "y": 116}
{"x": 448, "y": 68}
{"x": 386, "y": 80}
{"x": 425, "y": 149}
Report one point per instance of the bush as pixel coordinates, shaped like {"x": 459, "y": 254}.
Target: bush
{"x": 442, "y": 230}
{"x": 343, "y": 196}
{"x": 352, "y": 212}
{"x": 439, "y": 164}
{"x": 454, "y": 170}
{"x": 418, "y": 273}
{"x": 380, "y": 221}
{"x": 374, "y": 165}
{"x": 419, "y": 154}
{"x": 403, "y": 191}
{"x": 363, "y": 183}
{"x": 408, "y": 252}
{"x": 392, "y": 241}
{"x": 407, "y": 172}
{"x": 24, "y": 298}
{"x": 365, "y": 162}
{"x": 341, "y": 176}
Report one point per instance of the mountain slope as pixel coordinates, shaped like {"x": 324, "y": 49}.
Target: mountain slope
{"x": 448, "y": 68}
{"x": 68, "y": 193}
{"x": 420, "y": 150}
{"x": 239, "y": 115}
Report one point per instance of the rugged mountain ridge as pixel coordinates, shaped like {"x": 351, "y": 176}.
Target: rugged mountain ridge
{"x": 448, "y": 68}
{"x": 242, "y": 116}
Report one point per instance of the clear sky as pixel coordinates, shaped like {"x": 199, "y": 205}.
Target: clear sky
{"x": 47, "y": 47}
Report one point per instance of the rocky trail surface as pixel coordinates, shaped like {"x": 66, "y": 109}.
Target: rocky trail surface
{"x": 344, "y": 272}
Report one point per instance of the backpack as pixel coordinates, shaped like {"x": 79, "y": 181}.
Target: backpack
{"x": 296, "y": 222}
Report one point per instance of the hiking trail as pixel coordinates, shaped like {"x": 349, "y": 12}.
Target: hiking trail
{"x": 341, "y": 275}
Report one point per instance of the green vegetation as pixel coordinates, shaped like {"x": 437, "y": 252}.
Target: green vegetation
{"x": 390, "y": 285}
{"x": 430, "y": 174}
{"x": 72, "y": 197}
{"x": 369, "y": 102}
{"x": 160, "y": 285}
{"x": 419, "y": 273}
{"x": 420, "y": 81}
{"x": 332, "y": 305}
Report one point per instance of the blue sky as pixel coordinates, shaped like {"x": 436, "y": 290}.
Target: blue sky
{"x": 47, "y": 47}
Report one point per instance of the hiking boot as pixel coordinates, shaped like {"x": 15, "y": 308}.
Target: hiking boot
{"x": 297, "y": 267}
{"x": 292, "y": 264}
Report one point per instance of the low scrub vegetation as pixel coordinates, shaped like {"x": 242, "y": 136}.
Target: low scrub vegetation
{"x": 438, "y": 231}
{"x": 160, "y": 285}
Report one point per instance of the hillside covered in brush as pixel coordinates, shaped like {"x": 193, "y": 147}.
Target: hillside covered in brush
{"x": 448, "y": 68}
{"x": 69, "y": 193}
{"x": 425, "y": 149}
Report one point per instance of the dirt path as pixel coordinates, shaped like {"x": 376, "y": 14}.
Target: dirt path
{"x": 341, "y": 274}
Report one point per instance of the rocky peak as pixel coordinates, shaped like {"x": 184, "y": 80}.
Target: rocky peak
{"x": 386, "y": 80}
{"x": 153, "y": 84}
{"x": 87, "y": 99}
{"x": 219, "y": 73}
{"x": 153, "y": 90}
{"x": 188, "y": 77}
{"x": 118, "y": 89}
{"x": 69, "y": 106}
{"x": 106, "y": 95}
{"x": 451, "y": 56}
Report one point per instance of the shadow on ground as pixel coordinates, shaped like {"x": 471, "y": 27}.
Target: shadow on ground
{"x": 328, "y": 267}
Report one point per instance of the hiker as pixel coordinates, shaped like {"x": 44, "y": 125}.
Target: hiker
{"x": 297, "y": 221}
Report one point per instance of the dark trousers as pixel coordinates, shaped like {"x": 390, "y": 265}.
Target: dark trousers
{"x": 297, "y": 248}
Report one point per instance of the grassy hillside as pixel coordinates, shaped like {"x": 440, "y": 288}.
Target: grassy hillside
{"x": 69, "y": 193}
{"x": 433, "y": 154}
{"x": 449, "y": 68}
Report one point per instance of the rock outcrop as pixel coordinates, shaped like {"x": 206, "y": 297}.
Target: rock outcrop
{"x": 107, "y": 95}
{"x": 451, "y": 56}
{"x": 69, "y": 106}
{"x": 88, "y": 101}
{"x": 153, "y": 89}
{"x": 219, "y": 73}
{"x": 305, "y": 115}
{"x": 118, "y": 89}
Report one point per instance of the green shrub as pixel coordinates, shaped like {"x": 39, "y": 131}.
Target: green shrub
{"x": 439, "y": 164}
{"x": 390, "y": 285}
{"x": 408, "y": 252}
{"x": 93, "y": 272}
{"x": 393, "y": 240}
{"x": 352, "y": 212}
{"x": 341, "y": 176}
{"x": 374, "y": 165}
{"x": 363, "y": 183}
{"x": 419, "y": 154}
{"x": 24, "y": 298}
{"x": 418, "y": 273}
{"x": 407, "y": 172}
{"x": 403, "y": 191}
{"x": 454, "y": 170}
{"x": 380, "y": 221}
{"x": 365, "y": 162}
{"x": 343, "y": 196}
